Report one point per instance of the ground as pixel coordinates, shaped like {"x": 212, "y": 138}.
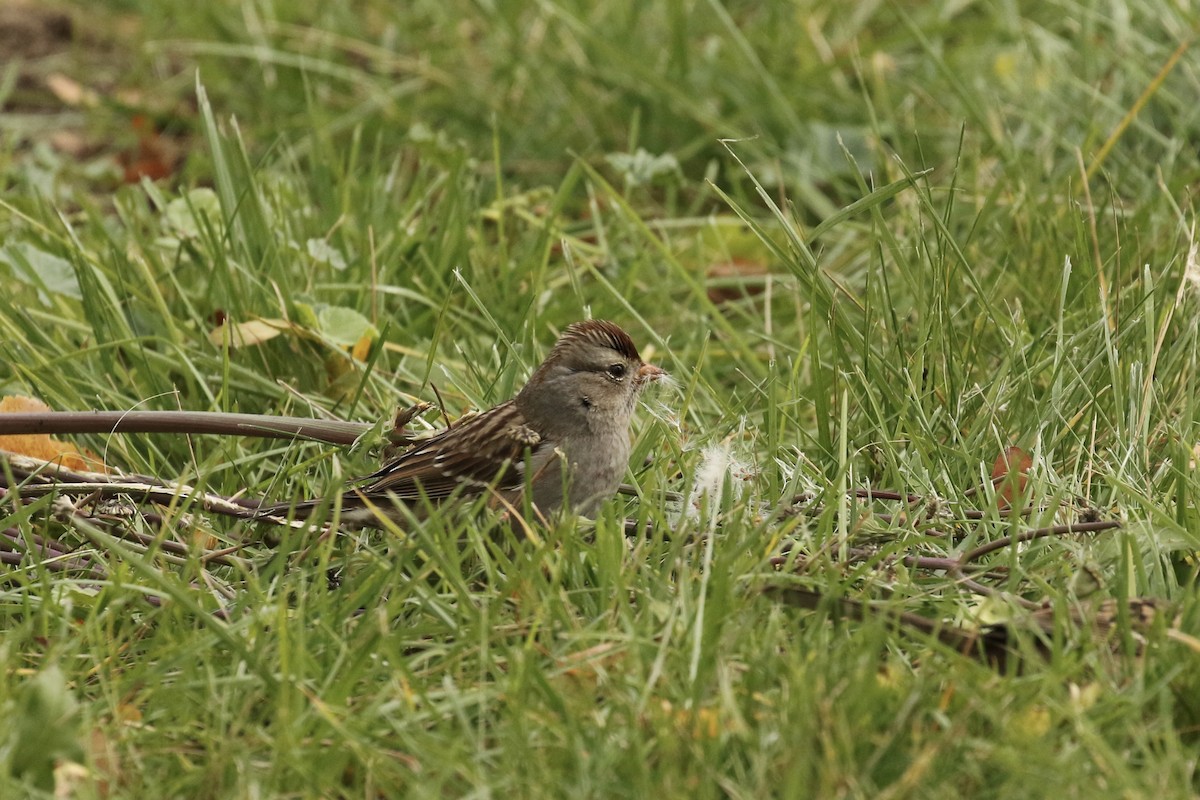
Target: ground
{"x": 924, "y": 275}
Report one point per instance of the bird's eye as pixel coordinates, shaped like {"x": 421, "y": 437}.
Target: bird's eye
{"x": 616, "y": 371}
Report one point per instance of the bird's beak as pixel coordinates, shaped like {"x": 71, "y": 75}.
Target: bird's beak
{"x": 649, "y": 372}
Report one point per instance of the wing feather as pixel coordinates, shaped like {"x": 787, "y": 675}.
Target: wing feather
{"x": 487, "y": 450}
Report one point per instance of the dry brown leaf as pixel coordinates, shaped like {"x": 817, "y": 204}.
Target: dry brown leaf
{"x": 241, "y": 334}
{"x": 128, "y": 713}
{"x": 1010, "y": 475}
{"x": 106, "y": 763}
{"x": 39, "y": 445}
{"x": 735, "y": 279}
{"x": 156, "y": 156}
{"x": 70, "y": 92}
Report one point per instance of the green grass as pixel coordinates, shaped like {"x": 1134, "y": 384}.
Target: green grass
{"x": 964, "y": 241}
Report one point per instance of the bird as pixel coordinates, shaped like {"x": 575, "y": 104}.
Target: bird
{"x": 564, "y": 438}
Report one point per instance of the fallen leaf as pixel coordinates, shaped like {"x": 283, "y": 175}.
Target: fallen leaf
{"x": 156, "y": 156}
{"x": 734, "y": 279}
{"x": 362, "y": 348}
{"x": 204, "y": 540}
{"x": 128, "y": 713}
{"x": 39, "y": 445}
{"x": 106, "y": 764}
{"x": 1010, "y": 475}
{"x": 70, "y": 91}
{"x": 345, "y": 326}
{"x": 241, "y": 334}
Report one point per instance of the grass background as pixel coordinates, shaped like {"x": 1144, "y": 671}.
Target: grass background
{"x": 875, "y": 244}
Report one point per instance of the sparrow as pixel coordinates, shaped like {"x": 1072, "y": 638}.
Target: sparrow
{"x": 564, "y": 438}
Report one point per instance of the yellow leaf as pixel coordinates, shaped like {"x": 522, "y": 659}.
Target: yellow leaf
{"x": 241, "y": 334}
{"x": 39, "y": 445}
{"x": 362, "y": 348}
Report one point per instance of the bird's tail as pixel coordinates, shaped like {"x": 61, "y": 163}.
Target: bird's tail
{"x": 353, "y": 509}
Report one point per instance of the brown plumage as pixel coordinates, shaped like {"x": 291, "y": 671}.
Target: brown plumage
{"x": 565, "y": 435}
{"x": 485, "y": 450}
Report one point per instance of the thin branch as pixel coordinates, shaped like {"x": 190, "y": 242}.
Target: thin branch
{"x": 184, "y": 422}
{"x": 982, "y": 644}
{"x": 1039, "y": 533}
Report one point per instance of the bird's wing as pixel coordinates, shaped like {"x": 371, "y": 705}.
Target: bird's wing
{"x": 487, "y": 450}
